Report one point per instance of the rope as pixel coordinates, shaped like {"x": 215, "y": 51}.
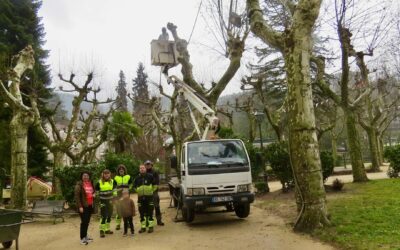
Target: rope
{"x": 195, "y": 21}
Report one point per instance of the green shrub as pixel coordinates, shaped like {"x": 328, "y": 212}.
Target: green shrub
{"x": 392, "y": 154}
{"x": 70, "y": 175}
{"x": 159, "y": 166}
{"x": 261, "y": 187}
{"x": 112, "y": 160}
{"x": 278, "y": 156}
{"x": 339, "y": 160}
{"x": 226, "y": 133}
{"x": 327, "y": 164}
{"x": 55, "y": 197}
{"x": 256, "y": 165}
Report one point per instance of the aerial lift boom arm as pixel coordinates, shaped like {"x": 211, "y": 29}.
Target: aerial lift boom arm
{"x": 208, "y": 113}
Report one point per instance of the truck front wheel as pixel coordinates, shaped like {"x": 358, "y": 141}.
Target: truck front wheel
{"x": 187, "y": 212}
{"x": 242, "y": 210}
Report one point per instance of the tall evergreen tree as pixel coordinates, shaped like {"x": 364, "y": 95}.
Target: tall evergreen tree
{"x": 122, "y": 102}
{"x": 140, "y": 92}
{"x": 20, "y": 26}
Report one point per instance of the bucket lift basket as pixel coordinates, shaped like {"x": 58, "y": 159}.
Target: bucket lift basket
{"x": 164, "y": 53}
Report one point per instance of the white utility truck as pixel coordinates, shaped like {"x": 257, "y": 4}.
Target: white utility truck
{"x": 213, "y": 172}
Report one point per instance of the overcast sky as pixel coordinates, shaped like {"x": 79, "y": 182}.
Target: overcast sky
{"x": 108, "y": 36}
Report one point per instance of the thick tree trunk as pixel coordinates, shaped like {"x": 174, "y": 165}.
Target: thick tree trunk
{"x": 380, "y": 149}
{"x": 373, "y": 147}
{"x": 23, "y": 117}
{"x": 359, "y": 174}
{"x": 296, "y": 45}
{"x": 19, "y": 158}
{"x": 334, "y": 148}
{"x": 58, "y": 164}
{"x": 167, "y": 160}
{"x": 251, "y": 127}
{"x": 178, "y": 152}
{"x": 303, "y": 143}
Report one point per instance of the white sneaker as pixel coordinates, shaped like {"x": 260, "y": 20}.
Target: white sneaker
{"x": 88, "y": 238}
{"x": 84, "y": 242}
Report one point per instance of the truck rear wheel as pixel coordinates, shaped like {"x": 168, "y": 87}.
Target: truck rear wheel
{"x": 242, "y": 210}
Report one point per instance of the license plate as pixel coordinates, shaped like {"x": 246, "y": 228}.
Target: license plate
{"x": 221, "y": 198}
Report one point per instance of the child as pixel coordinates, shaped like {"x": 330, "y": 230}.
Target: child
{"x": 127, "y": 207}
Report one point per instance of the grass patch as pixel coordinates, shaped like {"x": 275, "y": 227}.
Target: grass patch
{"x": 366, "y": 216}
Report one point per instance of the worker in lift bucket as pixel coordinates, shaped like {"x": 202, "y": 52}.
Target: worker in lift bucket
{"x": 164, "y": 35}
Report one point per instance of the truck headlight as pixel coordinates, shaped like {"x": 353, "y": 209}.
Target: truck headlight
{"x": 195, "y": 191}
{"x": 244, "y": 188}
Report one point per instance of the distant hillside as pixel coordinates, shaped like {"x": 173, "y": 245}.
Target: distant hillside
{"x": 66, "y": 103}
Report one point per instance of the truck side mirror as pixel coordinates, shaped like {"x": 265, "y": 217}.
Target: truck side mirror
{"x": 174, "y": 161}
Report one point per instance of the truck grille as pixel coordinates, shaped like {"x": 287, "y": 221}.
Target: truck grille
{"x": 221, "y": 190}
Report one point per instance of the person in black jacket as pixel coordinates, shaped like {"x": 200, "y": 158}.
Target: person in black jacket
{"x": 143, "y": 185}
{"x": 156, "y": 197}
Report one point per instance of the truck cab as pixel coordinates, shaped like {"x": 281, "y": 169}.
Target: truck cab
{"x": 214, "y": 173}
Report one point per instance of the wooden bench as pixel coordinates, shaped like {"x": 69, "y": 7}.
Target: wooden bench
{"x": 54, "y": 208}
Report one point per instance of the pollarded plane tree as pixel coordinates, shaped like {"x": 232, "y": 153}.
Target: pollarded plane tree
{"x": 350, "y": 19}
{"x": 268, "y": 75}
{"x": 234, "y": 31}
{"x": 23, "y": 117}
{"x": 295, "y": 43}
{"x": 85, "y": 131}
{"x": 381, "y": 106}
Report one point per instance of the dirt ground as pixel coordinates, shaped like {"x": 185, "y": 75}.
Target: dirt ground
{"x": 208, "y": 231}
{"x": 265, "y": 228}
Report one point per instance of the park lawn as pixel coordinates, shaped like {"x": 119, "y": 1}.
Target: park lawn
{"x": 364, "y": 216}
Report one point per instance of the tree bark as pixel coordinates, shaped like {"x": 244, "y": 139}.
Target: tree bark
{"x": 373, "y": 147}
{"x": 303, "y": 144}
{"x": 358, "y": 169}
{"x": 334, "y": 148}
{"x": 23, "y": 117}
{"x": 380, "y": 148}
{"x": 359, "y": 174}
{"x": 57, "y": 165}
{"x": 19, "y": 144}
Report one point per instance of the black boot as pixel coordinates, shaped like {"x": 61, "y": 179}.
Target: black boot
{"x": 160, "y": 223}
{"x": 150, "y": 230}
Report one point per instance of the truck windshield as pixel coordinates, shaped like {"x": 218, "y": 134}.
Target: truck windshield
{"x": 216, "y": 153}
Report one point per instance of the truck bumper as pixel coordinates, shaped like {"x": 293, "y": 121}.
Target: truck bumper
{"x": 218, "y": 200}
